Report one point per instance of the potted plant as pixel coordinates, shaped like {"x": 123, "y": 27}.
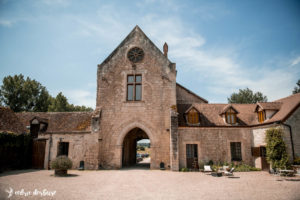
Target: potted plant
{"x": 61, "y": 164}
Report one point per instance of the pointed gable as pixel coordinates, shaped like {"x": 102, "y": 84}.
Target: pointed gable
{"x": 136, "y": 34}
{"x": 227, "y": 107}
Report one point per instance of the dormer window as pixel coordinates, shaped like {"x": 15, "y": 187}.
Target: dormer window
{"x": 261, "y": 116}
{"x": 230, "y": 116}
{"x": 193, "y": 117}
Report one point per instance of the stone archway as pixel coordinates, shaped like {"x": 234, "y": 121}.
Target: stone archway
{"x": 129, "y": 150}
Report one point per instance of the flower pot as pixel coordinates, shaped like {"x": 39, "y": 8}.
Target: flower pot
{"x": 60, "y": 172}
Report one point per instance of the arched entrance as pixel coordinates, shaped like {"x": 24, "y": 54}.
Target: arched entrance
{"x": 134, "y": 153}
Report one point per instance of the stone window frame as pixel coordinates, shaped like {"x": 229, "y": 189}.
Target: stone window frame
{"x": 184, "y": 150}
{"x": 58, "y": 149}
{"x": 242, "y": 152}
{"x": 134, "y": 83}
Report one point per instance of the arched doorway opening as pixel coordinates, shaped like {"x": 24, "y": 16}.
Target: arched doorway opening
{"x": 136, "y": 149}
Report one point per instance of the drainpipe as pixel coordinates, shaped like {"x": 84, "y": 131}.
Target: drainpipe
{"x": 291, "y": 137}
{"x": 50, "y": 144}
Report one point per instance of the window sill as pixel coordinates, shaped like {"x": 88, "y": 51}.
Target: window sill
{"x": 133, "y": 101}
{"x": 189, "y": 124}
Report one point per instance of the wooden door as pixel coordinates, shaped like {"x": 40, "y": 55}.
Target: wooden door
{"x": 264, "y": 164}
{"x": 191, "y": 156}
{"x": 38, "y": 154}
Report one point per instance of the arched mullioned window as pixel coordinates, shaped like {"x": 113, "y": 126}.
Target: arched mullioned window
{"x": 230, "y": 116}
{"x": 193, "y": 116}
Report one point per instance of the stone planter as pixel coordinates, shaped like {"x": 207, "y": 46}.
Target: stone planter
{"x": 60, "y": 172}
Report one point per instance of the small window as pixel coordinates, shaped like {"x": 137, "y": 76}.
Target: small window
{"x": 261, "y": 116}
{"x": 134, "y": 87}
{"x": 236, "y": 151}
{"x": 230, "y": 116}
{"x": 63, "y": 148}
{"x": 193, "y": 116}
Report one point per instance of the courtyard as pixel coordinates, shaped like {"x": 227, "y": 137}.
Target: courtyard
{"x": 138, "y": 183}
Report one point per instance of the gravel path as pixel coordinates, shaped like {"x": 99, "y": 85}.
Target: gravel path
{"x": 149, "y": 184}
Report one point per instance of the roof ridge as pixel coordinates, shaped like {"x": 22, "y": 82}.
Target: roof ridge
{"x": 192, "y": 92}
{"x": 58, "y": 112}
{"x": 290, "y": 96}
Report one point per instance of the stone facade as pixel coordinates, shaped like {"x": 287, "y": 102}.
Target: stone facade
{"x": 293, "y": 121}
{"x": 106, "y": 138}
{"x": 151, "y": 114}
{"x": 214, "y": 143}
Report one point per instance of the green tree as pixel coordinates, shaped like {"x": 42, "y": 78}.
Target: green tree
{"x": 24, "y": 95}
{"x": 74, "y": 108}
{"x": 276, "y": 148}
{"x": 59, "y": 104}
{"x": 297, "y": 88}
{"x": 247, "y": 96}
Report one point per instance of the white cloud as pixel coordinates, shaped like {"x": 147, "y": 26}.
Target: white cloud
{"x": 295, "y": 61}
{"x": 220, "y": 67}
{"x": 81, "y": 97}
{"x": 6, "y": 23}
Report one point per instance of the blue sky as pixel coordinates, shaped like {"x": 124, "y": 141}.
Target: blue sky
{"x": 218, "y": 46}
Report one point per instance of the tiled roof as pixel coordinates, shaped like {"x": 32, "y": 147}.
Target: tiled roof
{"x": 61, "y": 121}
{"x": 9, "y": 121}
{"x": 269, "y": 105}
{"x": 227, "y": 107}
{"x": 210, "y": 113}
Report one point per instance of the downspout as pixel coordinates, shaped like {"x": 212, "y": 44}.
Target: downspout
{"x": 291, "y": 137}
{"x": 50, "y": 144}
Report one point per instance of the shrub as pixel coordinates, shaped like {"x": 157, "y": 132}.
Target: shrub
{"x": 62, "y": 163}
{"x": 245, "y": 168}
{"x": 210, "y": 162}
{"x": 184, "y": 169}
{"x": 276, "y": 148}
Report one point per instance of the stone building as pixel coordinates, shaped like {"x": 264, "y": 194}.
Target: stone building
{"x": 138, "y": 98}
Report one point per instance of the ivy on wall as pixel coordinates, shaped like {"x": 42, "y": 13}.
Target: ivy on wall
{"x": 276, "y": 148}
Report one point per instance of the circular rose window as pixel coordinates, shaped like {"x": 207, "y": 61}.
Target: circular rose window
{"x": 135, "y": 54}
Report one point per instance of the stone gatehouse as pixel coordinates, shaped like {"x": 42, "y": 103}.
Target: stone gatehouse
{"x": 138, "y": 98}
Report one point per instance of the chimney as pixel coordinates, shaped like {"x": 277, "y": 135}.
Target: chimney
{"x": 166, "y": 49}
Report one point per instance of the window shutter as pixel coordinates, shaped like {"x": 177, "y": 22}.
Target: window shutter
{"x": 255, "y": 151}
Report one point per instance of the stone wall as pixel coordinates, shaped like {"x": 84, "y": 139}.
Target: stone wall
{"x": 184, "y": 96}
{"x": 151, "y": 114}
{"x": 214, "y": 143}
{"x": 259, "y": 134}
{"x": 82, "y": 147}
{"x": 293, "y": 121}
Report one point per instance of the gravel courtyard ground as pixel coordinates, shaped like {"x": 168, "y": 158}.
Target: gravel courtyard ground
{"x": 148, "y": 184}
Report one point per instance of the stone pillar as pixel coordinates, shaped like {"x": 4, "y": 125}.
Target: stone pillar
{"x": 174, "y": 141}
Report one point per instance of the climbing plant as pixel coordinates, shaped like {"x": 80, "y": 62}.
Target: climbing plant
{"x": 276, "y": 148}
